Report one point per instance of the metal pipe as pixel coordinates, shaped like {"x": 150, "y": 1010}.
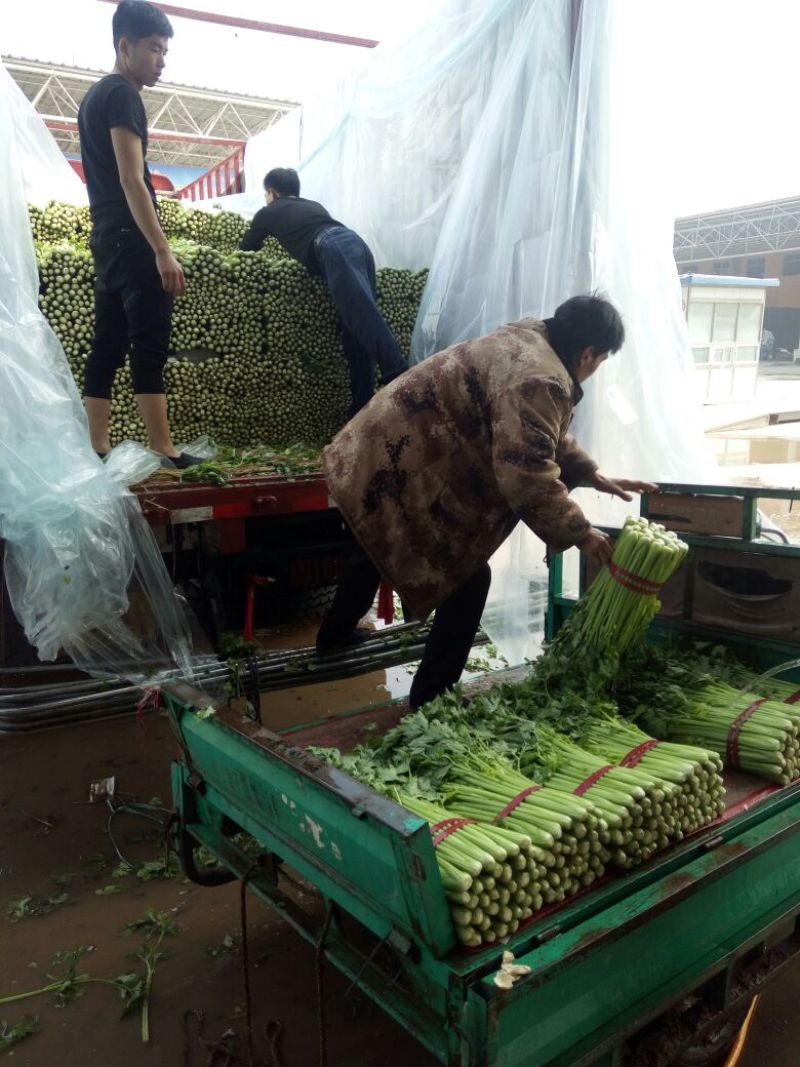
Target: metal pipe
{"x": 90, "y": 700}
{"x": 265, "y": 27}
{"x": 71, "y": 126}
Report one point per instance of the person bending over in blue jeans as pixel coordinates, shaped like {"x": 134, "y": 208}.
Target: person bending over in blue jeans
{"x": 324, "y": 246}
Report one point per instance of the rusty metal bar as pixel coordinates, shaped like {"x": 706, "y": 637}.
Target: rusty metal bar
{"x": 71, "y": 125}
{"x": 265, "y": 27}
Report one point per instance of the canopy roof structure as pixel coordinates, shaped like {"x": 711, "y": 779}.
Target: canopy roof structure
{"x": 773, "y": 226}
{"x": 188, "y": 125}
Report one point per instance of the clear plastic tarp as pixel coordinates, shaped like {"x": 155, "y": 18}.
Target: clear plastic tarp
{"x": 83, "y": 570}
{"x": 521, "y": 150}
{"x": 46, "y": 173}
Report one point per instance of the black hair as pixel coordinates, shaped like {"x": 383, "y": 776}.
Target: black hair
{"x": 582, "y": 322}
{"x": 284, "y": 180}
{"x": 135, "y": 19}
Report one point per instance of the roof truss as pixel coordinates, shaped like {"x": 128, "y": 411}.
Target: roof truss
{"x": 207, "y": 123}
{"x": 744, "y": 231}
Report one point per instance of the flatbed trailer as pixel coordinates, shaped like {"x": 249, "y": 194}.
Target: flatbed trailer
{"x": 253, "y": 550}
{"x": 269, "y": 522}
{"x": 641, "y": 968}
{"x": 284, "y": 530}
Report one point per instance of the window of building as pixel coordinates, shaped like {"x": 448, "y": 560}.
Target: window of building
{"x": 701, "y": 317}
{"x": 748, "y": 327}
{"x": 745, "y": 354}
{"x": 722, "y": 266}
{"x": 755, "y": 267}
{"x": 724, "y": 323}
{"x": 791, "y": 263}
{"x": 724, "y": 331}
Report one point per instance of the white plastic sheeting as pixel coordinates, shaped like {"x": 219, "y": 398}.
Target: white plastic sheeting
{"x": 45, "y": 172}
{"x": 518, "y": 148}
{"x": 83, "y": 570}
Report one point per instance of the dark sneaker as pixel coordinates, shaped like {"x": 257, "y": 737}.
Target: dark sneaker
{"x": 101, "y": 455}
{"x": 356, "y": 638}
{"x": 185, "y": 460}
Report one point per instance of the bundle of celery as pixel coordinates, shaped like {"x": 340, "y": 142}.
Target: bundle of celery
{"x": 694, "y": 774}
{"x": 641, "y": 811}
{"x": 566, "y": 831}
{"x": 773, "y": 688}
{"x": 493, "y": 877}
{"x": 617, "y": 608}
{"x": 749, "y": 732}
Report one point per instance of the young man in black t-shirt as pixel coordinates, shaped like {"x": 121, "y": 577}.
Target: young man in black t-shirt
{"x": 324, "y": 246}
{"x": 137, "y": 274}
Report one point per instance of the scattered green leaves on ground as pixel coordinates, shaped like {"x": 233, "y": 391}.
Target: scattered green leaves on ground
{"x": 11, "y": 1035}
{"x": 149, "y": 870}
{"x": 154, "y": 926}
{"x": 30, "y": 906}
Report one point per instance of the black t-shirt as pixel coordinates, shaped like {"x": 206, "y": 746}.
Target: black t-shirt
{"x": 295, "y": 222}
{"x": 111, "y": 102}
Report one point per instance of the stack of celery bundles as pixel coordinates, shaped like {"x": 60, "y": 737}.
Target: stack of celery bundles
{"x": 619, "y": 604}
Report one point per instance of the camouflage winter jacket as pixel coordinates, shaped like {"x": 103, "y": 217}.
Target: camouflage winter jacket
{"x": 436, "y": 471}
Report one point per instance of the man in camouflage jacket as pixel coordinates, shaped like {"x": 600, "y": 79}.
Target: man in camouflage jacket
{"x": 436, "y": 471}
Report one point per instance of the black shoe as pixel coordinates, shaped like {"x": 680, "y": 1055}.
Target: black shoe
{"x": 184, "y": 460}
{"x": 356, "y": 638}
{"x": 101, "y": 455}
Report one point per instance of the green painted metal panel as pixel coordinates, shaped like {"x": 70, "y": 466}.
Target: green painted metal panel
{"x": 372, "y": 856}
{"x": 596, "y": 979}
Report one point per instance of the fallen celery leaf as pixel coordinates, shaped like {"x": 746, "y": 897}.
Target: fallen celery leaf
{"x": 205, "y": 713}
{"x": 12, "y": 1035}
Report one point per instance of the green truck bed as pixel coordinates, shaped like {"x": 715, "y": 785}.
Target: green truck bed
{"x": 630, "y": 971}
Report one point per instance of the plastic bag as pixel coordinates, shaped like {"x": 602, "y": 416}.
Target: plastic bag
{"x": 46, "y": 173}
{"x": 130, "y": 463}
{"x": 83, "y": 570}
{"x": 202, "y": 447}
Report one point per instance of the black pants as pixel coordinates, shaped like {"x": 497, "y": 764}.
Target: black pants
{"x": 349, "y": 272}
{"x": 132, "y": 312}
{"x": 449, "y": 641}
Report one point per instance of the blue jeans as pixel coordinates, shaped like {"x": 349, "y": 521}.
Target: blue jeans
{"x": 348, "y": 268}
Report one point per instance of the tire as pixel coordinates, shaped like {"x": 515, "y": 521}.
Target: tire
{"x": 299, "y": 605}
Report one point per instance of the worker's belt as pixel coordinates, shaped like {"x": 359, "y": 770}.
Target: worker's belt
{"x": 324, "y": 233}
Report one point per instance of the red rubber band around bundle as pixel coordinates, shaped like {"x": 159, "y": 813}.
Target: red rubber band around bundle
{"x": 440, "y": 831}
{"x": 150, "y": 701}
{"x": 630, "y": 759}
{"x": 513, "y": 804}
{"x": 793, "y": 699}
{"x": 593, "y": 779}
{"x": 732, "y": 745}
{"x": 633, "y": 582}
